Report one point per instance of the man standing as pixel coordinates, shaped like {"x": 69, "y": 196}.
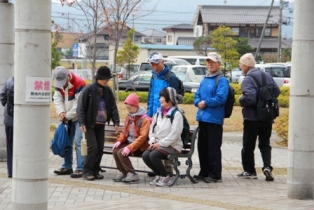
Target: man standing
{"x": 97, "y": 106}
{"x": 210, "y": 99}
{"x": 252, "y": 126}
{"x": 7, "y": 100}
{"x": 158, "y": 82}
{"x": 68, "y": 88}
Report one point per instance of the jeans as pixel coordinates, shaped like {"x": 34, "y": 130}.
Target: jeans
{"x": 76, "y": 136}
{"x": 153, "y": 159}
{"x": 251, "y": 130}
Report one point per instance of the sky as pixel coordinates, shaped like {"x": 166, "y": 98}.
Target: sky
{"x": 167, "y": 13}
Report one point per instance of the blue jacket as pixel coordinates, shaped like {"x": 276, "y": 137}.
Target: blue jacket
{"x": 214, "y": 96}
{"x": 157, "y": 83}
{"x": 249, "y": 93}
{"x": 8, "y": 120}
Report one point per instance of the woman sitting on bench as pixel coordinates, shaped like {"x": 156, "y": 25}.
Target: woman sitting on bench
{"x": 132, "y": 140}
{"x": 164, "y": 136}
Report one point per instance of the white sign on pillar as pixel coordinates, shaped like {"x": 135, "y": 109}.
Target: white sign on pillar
{"x": 38, "y": 89}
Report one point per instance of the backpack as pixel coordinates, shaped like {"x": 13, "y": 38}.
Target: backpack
{"x": 185, "y": 134}
{"x": 181, "y": 87}
{"x": 10, "y": 100}
{"x": 60, "y": 144}
{"x": 267, "y": 107}
{"x": 230, "y": 99}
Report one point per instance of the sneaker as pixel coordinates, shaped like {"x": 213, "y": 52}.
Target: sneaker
{"x": 119, "y": 177}
{"x": 97, "y": 175}
{"x": 198, "y": 178}
{"x": 268, "y": 174}
{"x": 89, "y": 177}
{"x": 155, "y": 180}
{"x": 246, "y": 175}
{"x": 163, "y": 181}
{"x": 63, "y": 171}
{"x": 77, "y": 174}
{"x": 131, "y": 177}
{"x": 211, "y": 180}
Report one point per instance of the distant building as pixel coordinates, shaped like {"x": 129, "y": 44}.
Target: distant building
{"x": 180, "y": 34}
{"x": 152, "y": 36}
{"x": 245, "y": 21}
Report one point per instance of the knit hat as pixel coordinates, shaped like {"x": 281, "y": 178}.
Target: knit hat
{"x": 132, "y": 100}
{"x": 215, "y": 57}
{"x": 60, "y": 75}
{"x": 174, "y": 97}
{"x": 103, "y": 73}
{"x": 248, "y": 60}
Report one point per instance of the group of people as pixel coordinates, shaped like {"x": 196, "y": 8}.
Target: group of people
{"x": 152, "y": 133}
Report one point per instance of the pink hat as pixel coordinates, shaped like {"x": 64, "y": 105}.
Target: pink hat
{"x": 132, "y": 100}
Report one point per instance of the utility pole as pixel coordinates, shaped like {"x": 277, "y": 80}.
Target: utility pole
{"x": 279, "y": 31}
{"x": 263, "y": 31}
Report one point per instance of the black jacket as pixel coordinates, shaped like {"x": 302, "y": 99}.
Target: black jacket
{"x": 88, "y": 102}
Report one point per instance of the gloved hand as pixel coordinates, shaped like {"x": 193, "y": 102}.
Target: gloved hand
{"x": 125, "y": 151}
{"x": 116, "y": 145}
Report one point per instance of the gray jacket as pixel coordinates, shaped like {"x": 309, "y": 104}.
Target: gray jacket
{"x": 8, "y": 120}
{"x": 249, "y": 93}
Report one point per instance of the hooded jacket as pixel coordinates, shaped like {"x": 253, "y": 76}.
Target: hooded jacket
{"x": 157, "y": 83}
{"x": 141, "y": 127}
{"x": 215, "y": 97}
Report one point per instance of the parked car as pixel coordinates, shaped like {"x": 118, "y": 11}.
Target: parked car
{"x": 145, "y": 66}
{"x": 176, "y": 61}
{"x": 123, "y": 73}
{"x": 194, "y": 60}
{"x": 236, "y": 73}
{"x": 194, "y": 72}
{"x": 141, "y": 82}
{"x": 277, "y": 71}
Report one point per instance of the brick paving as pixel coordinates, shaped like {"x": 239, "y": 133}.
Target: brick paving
{"x": 231, "y": 193}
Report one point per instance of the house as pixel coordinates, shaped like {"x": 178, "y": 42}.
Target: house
{"x": 104, "y": 39}
{"x": 152, "y": 36}
{"x": 180, "y": 34}
{"x": 245, "y": 21}
{"x": 65, "y": 41}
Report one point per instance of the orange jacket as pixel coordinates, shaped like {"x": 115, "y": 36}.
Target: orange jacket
{"x": 141, "y": 142}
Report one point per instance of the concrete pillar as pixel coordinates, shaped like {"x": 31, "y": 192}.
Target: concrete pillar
{"x": 6, "y": 61}
{"x": 301, "y": 119}
{"x": 31, "y": 111}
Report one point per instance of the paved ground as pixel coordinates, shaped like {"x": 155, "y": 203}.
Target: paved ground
{"x": 232, "y": 193}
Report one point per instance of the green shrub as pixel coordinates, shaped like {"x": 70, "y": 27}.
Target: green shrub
{"x": 282, "y": 126}
{"x": 283, "y": 101}
{"x": 237, "y": 88}
{"x": 285, "y": 91}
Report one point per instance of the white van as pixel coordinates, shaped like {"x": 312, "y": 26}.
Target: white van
{"x": 194, "y": 60}
{"x": 277, "y": 71}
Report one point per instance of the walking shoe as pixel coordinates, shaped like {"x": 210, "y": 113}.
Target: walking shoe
{"x": 268, "y": 174}
{"x": 89, "y": 177}
{"x": 97, "y": 175}
{"x": 246, "y": 175}
{"x": 211, "y": 180}
{"x": 63, "y": 171}
{"x": 77, "y": 174}
{"x": 163, "y": 181}
{"x": 131, "y": 177}
{"x": 198, "y": 178}
{"x": 155, "y": 180}
{"x": 119, "y": 177}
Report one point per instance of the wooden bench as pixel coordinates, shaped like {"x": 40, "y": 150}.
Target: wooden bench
{"x": 110, "y": 138}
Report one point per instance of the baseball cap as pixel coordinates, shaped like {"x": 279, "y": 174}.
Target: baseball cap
{"x": 155, "y": 57}
{"x": 60, "y": 75}
{"x": 214, "y": 57}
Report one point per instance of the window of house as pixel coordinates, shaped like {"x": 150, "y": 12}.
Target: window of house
{"x": 267, "y": 32}
{"x": 158, "y": 40}
{"x": 135, "y": 38}
{"x": 106, "y": 37}
{"x": 169, "y": 38}
{"x": 236, "y": 30}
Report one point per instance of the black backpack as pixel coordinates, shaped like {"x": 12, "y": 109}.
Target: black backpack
{"x": 230, "y": 99}
{"x": 267, "y": 107}
{"x": 185, "y": 135}
{"x": 10, "y": 100}
{"x": 181, "y": 87}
